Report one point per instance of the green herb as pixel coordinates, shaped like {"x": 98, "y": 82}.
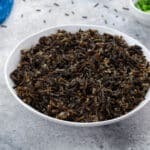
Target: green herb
{"x": 143, "y": 5}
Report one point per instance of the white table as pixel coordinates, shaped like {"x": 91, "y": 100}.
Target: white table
{"x": 22, "y": 130}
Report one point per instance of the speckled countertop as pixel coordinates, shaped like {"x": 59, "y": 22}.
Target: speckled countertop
{"x": 22, "y": 130}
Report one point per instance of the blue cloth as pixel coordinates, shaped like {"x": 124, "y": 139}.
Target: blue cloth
{"x": 5, "y": 9}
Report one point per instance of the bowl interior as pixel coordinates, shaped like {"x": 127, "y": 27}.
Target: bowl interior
{"x": 14, "y": 58}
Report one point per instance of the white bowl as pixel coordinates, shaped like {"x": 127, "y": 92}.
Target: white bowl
{"x": 14, "y": 58}
{"x": 140, "y": 15}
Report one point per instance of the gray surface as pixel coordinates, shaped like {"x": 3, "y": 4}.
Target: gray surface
{"x": 22, "y": 130}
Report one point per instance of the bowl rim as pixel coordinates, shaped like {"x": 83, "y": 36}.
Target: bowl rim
{"x": 136, "y": 9}
{"x": 71, "y": 123}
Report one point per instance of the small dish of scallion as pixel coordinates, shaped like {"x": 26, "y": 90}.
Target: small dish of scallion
{"x": 141, "y": 10}
{"x": 143, "y": 5}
